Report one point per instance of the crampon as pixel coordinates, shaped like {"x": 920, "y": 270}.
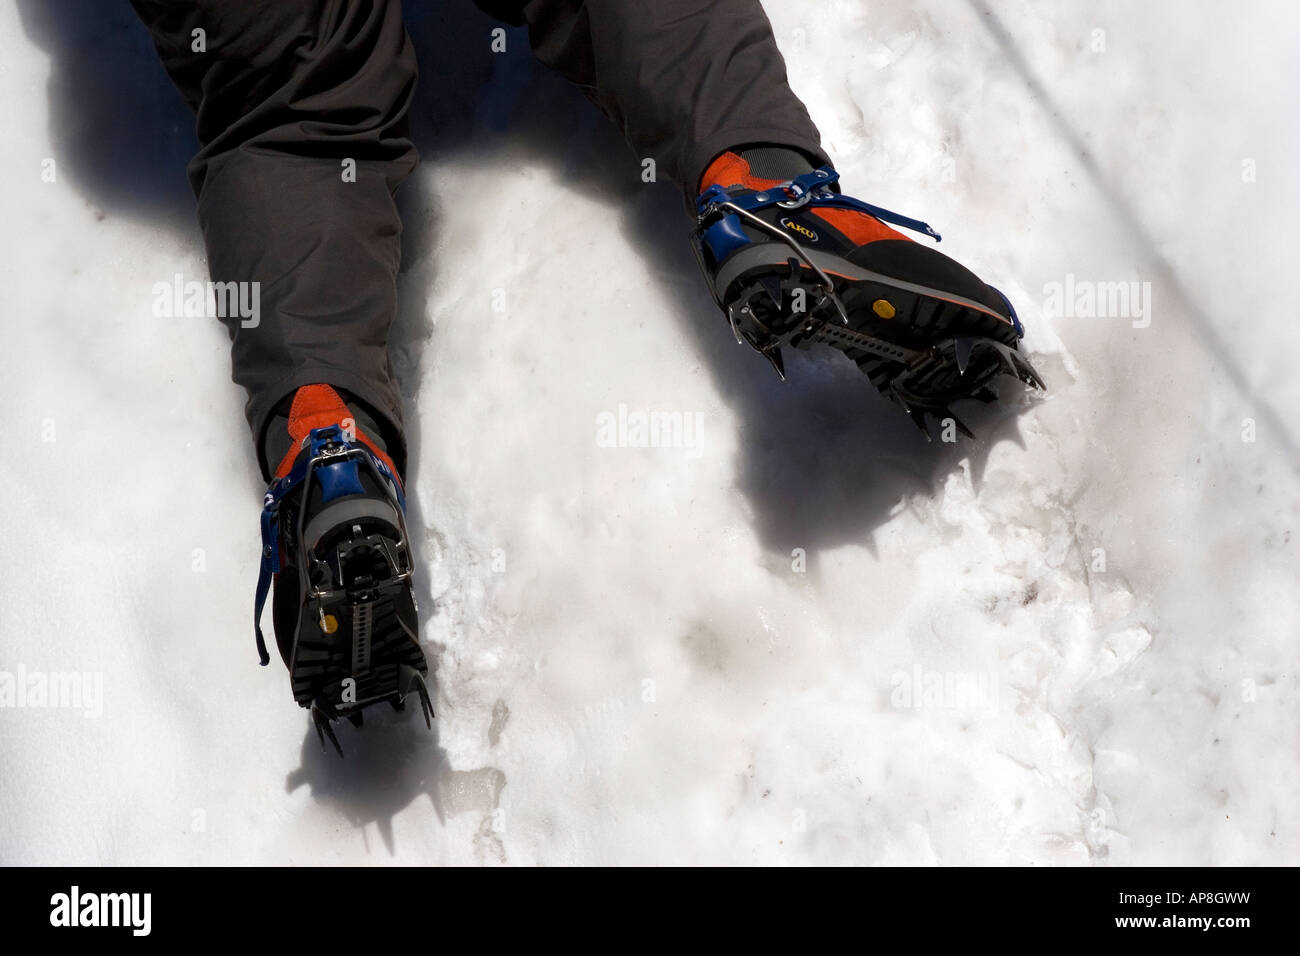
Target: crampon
{"x": 334, "y": 542}
{"x": 787, "y": 269}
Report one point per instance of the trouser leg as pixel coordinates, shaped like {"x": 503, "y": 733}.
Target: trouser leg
{"x": 685, "y": 80}
{"x": 284, "y": 94}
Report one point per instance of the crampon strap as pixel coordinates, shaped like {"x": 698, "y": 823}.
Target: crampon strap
{"x": 810, "y": 189}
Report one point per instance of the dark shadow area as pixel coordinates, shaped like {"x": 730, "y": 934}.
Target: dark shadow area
{"x": 387, "y": 765}
{"x": 823, "y": 459}
{"x": 120, "y": 132}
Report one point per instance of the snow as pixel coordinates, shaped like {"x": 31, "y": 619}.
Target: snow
{"x": 803, "y": 636}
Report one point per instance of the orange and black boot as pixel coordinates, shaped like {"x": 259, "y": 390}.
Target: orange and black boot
{"x": 796, "y": 262}
{"x": 335, "y": 546}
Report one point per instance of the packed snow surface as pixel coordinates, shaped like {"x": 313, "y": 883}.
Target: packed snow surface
{"x": 798, "y": 634}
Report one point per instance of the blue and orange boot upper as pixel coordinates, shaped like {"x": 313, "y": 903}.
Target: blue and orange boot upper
{"x": 336, "y": 554}
{"x": 796, "y": 262}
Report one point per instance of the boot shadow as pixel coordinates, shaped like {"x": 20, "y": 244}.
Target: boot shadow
{"x": 389, "y": 764}
{"x": 120, "y": 133}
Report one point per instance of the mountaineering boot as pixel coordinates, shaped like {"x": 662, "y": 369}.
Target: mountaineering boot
{"x": 335, "y": 547}
{"x": 795, "y": 262}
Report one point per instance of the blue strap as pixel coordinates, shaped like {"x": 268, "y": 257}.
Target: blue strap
{"x": 397, "y": 485}
{"x": 816, "y": 186}
{"x": 1015, "y": 319}
{"x": 838, "y": 201}
{"x": 271, "y": 550}
{"x": 263, "y": 588}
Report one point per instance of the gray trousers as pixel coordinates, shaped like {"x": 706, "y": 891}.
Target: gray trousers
{"x": 285, "y": 90}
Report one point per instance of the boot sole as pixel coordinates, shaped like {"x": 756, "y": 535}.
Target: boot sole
{"x": 358, "y": 645}
{"x": 921, "y": 347}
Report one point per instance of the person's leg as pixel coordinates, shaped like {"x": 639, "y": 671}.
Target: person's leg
{"x": 685, "y": 80}
{"x": 301, "y": 112}
{"x": 284, "y": 93}
{"x": 700, "y": 87}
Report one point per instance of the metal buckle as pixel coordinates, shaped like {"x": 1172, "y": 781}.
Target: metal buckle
{"x": 801, "y": 196}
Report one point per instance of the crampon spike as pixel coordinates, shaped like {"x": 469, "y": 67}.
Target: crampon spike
{"x": 411, "y": 679}
{"x": 947, "y": 414}
{"x": 1027, "y": 374}
{"x": 1017, "y": 366}
{"x": 963, "y": 346}
{"x": 918, "y": 419}
{"x": 735, "y": 327}
{"x": 323, "y": 728}
{"x": 1004, "y": 357}
{"x": 773, "y": 354}
{"x": 773, "y": 287}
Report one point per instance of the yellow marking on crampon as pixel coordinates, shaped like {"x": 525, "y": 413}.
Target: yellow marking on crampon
{"x": 329, "y": 623}
{"x": 883, "y": 308}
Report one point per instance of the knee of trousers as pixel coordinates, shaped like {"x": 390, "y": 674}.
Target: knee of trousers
{"x": 342, "y": 69}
